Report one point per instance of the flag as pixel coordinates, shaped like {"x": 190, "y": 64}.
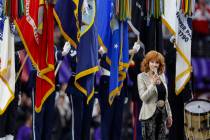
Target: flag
{"x": 113, "y": 35}
{"x": 37, "y": 36}
{"x": 186, "y": 6}
{"x": 13, "y": 8}
{"x": 154, "y": 8}
{"x": 183, "y": 47}
{"x": 124, "y": 56}
{"x": 103, "y": 23}
{"x": 118, "y": 54}
{"x": 113, "y": 54}
{"x": 7, "y": 64}
{"x": 68, "y": 15}
{"x": 109, "y": 34}
{"x": 118, "y": 51}
{"x": 87, "y": 53}
{"x": 27, "y": 28}
{"x": 169, "y": 16}
{"x": 123, "y": 9}
{"x": 1, "y": 8}
{"x": 177, "y": 20}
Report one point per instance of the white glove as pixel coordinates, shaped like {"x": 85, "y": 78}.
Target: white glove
{"x": 73, "y": 53}
{"x": 136, "y": 47}
{"x": 172, "y": 39}
{"x": 101, "y": 50}
{"x": 66, "y": 49}
{"x": 126, "y": 100}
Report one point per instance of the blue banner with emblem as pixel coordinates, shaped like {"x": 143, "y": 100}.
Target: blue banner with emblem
{"x": 87, "y": 52}
{"x": 68, "y": 14}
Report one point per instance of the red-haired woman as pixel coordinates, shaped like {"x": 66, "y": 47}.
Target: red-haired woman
{"x": 155, "y": 114}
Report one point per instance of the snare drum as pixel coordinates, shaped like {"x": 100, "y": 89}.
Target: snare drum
{"x": 197, "y": 116}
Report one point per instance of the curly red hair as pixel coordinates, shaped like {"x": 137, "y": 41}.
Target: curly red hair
{"x": 153, "y": 55}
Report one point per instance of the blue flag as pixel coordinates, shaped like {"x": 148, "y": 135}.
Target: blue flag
{"x": 103, "y": 22}
{"x": 118, "y": 54}
{"x": 113, "y": 35}
{"x": 87, "y": 54}
{"x": 1, "y": 8}
{"x": 124, "y": 58}
{"x": 68, "y": 15}
{"x": 113, "y": 54}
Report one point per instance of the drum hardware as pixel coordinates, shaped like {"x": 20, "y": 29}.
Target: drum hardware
{"x": 196, "y": 120}
{"x": 191, "y": 129}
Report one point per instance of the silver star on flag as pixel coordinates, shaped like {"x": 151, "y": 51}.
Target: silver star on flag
{"x": 115, "y": 46}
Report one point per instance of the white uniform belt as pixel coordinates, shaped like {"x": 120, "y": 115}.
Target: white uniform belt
{"x": 105, "y": 72}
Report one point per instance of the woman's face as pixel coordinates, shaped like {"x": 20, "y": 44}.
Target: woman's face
{"x": 154, "y": 65}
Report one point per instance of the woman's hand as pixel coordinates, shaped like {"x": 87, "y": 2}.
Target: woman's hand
{"x": 155, "y": 79}
{"x": 169, "y": 122}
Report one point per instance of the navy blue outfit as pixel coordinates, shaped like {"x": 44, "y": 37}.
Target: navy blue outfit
{"x": 111, "y": 116}
{"x": 43, "y": 121}
{"x": 81, "y": 111}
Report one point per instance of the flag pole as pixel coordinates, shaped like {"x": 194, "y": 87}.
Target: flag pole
{"x": 58, "y": 67}
{"x": 134, "y": 30}
{"x": 33, "y": 115}
{"x": 21, "y": 68}
{"x": 137, "y": 33}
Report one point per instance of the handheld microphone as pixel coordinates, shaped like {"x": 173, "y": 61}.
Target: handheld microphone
{"x": 155, "y": 71}
{"x": 156, "y": 74}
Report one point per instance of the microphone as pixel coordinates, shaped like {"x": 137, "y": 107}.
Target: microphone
{"x": 155, "y": 71}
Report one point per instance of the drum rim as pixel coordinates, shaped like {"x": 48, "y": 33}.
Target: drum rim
{"x": 196, "y": 114}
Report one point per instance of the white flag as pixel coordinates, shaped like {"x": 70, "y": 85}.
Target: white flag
{"x": 183, "y": 47}
{"x": 7, "y": 66}
{"x": 180, "y": 27}
{"x": 169, "y": 17}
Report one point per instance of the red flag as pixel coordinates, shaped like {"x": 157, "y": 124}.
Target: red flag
{"x": 39, "y": 43}
{"x": 14, "y": 8}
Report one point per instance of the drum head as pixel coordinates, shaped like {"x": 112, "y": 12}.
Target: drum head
{"x": 198, "y": 107}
